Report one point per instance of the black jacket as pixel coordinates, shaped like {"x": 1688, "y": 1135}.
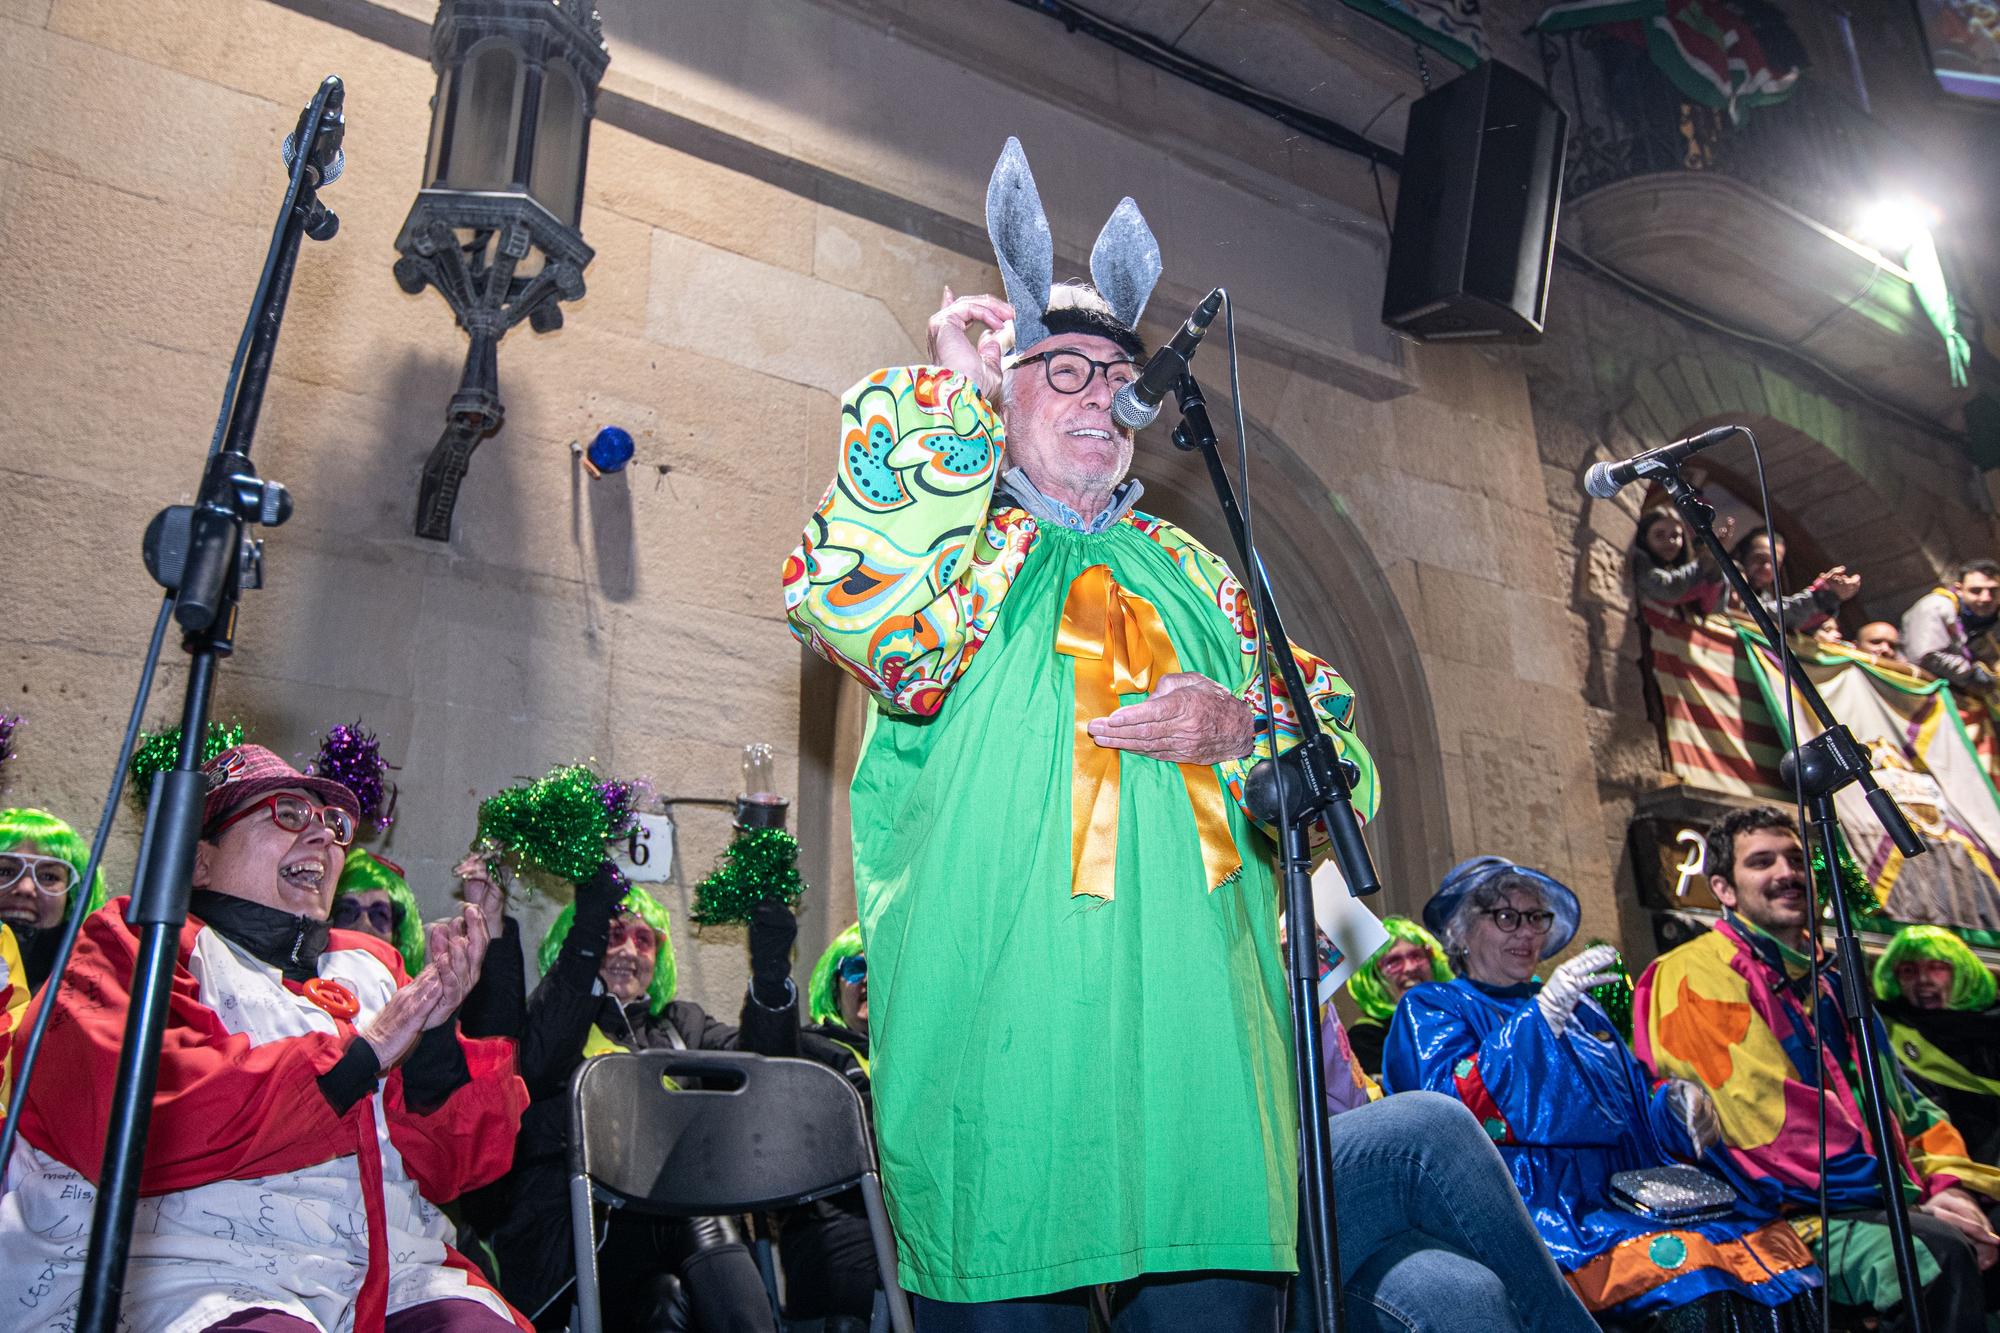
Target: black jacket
{"x": 532, "y": 1244}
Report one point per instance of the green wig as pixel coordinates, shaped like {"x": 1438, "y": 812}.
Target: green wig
{"x": 53, "y": 838}
{"x": 1366, "y": 985}
{"x": 823, "y": 991}
{"x": 1972, "y": 985}
{"x": 366, "y": 872}
{"x": 644, "y": 906}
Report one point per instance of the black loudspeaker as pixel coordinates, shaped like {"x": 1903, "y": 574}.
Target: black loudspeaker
{"x": 1476, "y": 217}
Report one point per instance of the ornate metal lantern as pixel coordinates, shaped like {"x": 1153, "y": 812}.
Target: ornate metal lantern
{"x": 494, "y": 228}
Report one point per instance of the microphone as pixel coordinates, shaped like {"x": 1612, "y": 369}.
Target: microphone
{"x": 1135, "y": 405}
{"x": 1605, "y": 480}
{"x": 328, "y": 156}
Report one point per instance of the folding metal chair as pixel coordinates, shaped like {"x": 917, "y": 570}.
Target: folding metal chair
{"x": 756, "y": 1134}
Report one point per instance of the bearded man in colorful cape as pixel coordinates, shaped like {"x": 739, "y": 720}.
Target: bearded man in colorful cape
{"x": 1734, "y": 1010}
{"x": 1080, "y": 1035}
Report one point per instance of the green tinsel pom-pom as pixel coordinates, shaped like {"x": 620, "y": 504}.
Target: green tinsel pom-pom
{"x": 557, "y": 824}
{"x": 761, "y": 863}
{"x": 1862, "y": 904}
{"x": 159, "y": 751}
{"x": 1615, "y": 997}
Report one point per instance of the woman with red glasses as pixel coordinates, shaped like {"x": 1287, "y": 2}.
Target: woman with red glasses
{"x": 315, "y": 1101}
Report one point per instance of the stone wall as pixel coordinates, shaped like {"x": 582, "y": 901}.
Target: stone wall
{"x": 765, "y": 231}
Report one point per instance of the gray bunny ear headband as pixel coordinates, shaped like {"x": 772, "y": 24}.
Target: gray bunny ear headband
{"x": 1124, "y": 264}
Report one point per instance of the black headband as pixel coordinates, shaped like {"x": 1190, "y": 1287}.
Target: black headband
{"x": 1096, "y": 324}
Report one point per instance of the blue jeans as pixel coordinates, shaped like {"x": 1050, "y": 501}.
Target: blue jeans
{"x": 1433, "y": 1235}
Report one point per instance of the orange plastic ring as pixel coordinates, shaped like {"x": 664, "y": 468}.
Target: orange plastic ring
{"x": 333, "y": 997}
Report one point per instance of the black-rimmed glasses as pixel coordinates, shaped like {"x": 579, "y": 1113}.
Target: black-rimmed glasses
{"x": 1507, "y": 920}
{"x": 1069, "y": 371}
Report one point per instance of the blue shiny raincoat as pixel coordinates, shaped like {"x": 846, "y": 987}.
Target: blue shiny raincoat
{"x": 1568, "y": 1112}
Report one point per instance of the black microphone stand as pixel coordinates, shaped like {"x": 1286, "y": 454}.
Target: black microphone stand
{"x": 1310, "y": 784}
{"x": 1819, "y": 768}
{"x": 201, "y": 554}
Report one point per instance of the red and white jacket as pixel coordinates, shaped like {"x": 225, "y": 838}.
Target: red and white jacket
{"x": 256, "y": 1190}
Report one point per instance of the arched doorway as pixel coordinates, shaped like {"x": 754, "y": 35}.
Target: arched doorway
{"x": 1338, "y": 604}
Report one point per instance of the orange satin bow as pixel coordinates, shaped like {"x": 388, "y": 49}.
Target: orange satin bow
{"x": 1121, "y": 647}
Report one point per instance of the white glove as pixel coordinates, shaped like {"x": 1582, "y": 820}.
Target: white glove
{"x": 1699, "y": 1117}
{"x": 1567, "y": 984}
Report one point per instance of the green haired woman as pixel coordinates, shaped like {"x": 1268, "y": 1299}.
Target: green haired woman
{"x": 373, "y": 897}
{"x": 42, "y": 861}
{"x": 1412, "y": 956}
{"x": 837, "y": 995}
{"x": 1937, "y": 1000}
{"x": 608, "y": 985}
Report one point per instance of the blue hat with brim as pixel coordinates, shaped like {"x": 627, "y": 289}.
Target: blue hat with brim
{"x": 1467, "y": 876}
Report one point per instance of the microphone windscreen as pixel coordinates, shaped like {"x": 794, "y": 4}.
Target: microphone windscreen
{"x": 1599, "y": 481}
{"x": 1131, "y": 411}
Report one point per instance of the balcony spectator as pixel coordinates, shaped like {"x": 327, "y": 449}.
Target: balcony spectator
{"x": 42, "y": 861}
{"x": 1544, "y": 1070}
{"x": 1938, "y": 1000}
{"x": 1667, "y": 573}
{"x": 1881, "y": 639}
{"x": 1411, "y": 957}
{"x": 1802, "y": 612}
{"x": 1949, "y": 631}
{"x": 1730, "y": 1010}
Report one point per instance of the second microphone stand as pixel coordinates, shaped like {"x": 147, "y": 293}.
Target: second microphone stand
{"x": 1819, "y": 768}
{"x": 1311, "y": 784}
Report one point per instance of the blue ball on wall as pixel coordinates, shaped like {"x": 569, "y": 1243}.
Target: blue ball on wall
{"x": 611, "y": 450}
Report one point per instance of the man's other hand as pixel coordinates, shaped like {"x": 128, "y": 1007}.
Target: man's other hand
{"x": 1960, "y": 1211}
{"x": 1188, "y": 720}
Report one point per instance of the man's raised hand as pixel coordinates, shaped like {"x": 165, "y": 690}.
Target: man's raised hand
{"x": 1189, "y": 719}
{"x": 951, "y": 346}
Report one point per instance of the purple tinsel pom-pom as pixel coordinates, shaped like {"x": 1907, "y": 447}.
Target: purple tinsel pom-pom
{"x": 622, "y": 800}
{"x": 9, "y": 722}
{"x": 353, "y": 758}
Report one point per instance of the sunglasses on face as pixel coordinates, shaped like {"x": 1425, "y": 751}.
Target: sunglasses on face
{"x": 347, "y": 914}
{"x": 1507, "y": 920}
{"x": 293, "y": 813}
{"x": 52, "y": 875}
{"x": 636, "y": 933}
{"x": 852, "y": 970}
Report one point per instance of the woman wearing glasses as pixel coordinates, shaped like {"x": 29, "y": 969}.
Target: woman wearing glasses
{"x": 1542, "y": 1067}
{"x": 41, "y": 864}
{"x": 374, "y": 898}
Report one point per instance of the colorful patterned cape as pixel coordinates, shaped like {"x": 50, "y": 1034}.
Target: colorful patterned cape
{"x": 13, "y": 1007}
{"x": 1726, "y": 1011}
{"x": 1567, "y": 1113}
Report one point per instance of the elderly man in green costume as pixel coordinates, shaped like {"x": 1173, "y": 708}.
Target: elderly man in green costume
{"x": 1080, "y": 1037}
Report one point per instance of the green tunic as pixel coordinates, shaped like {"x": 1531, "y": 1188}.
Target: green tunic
{"x": 1068, "y": 1090}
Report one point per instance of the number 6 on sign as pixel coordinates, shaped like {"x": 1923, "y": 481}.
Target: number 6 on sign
{"x": 647, "y": 854}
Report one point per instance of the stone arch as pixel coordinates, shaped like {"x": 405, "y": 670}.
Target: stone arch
{"x": 1846, "y": 488}
{"x": 1337, "y": 603}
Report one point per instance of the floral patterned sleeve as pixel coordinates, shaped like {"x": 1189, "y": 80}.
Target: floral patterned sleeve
{"x": 902, "y": 570}
{"x": 1328, "y": 697}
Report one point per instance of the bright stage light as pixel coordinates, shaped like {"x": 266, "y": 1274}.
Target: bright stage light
{"x": 1893, "y": 225}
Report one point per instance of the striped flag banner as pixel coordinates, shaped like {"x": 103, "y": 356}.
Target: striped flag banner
{"x": 1708, "y": 48}
{"x": 1719, "y": 732}
{"x": 1925, "y": 757}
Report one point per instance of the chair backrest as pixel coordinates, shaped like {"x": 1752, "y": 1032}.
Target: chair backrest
{"x": 780, "y": 1132}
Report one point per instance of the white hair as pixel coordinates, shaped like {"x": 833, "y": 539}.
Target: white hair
{"x": 1069, "y": 294}
{"x": 1458, "y": 926}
